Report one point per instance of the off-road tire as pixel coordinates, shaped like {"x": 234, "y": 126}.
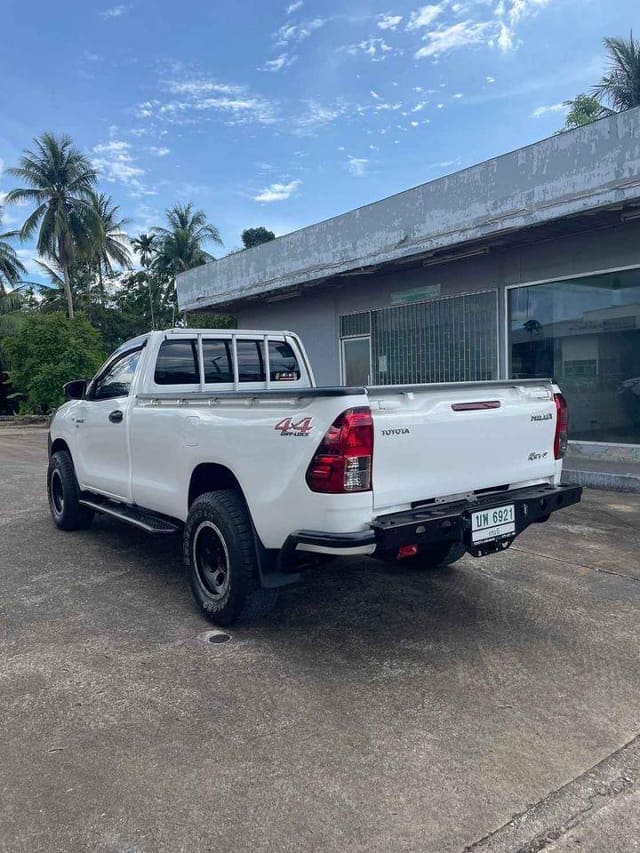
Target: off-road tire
{"x": 64, "y": 494}
{"x": 219, "y": 524}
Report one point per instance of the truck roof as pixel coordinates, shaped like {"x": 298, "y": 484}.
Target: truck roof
{"x": 209, "y": 331}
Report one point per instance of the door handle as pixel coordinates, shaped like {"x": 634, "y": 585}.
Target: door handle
{"x": 116, "y": 416}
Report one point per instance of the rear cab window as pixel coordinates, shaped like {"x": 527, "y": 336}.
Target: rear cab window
{"x": 177, "y": 363}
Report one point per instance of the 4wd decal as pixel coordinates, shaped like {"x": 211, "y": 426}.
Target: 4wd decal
{"x": 533, "y": 456}
{"x": 546, "y": 417}
{"x": 287, "y": 426}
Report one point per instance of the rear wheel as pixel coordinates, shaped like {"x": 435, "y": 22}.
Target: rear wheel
{"x": 64, "y": 494}
{"x": 220, "y": 557}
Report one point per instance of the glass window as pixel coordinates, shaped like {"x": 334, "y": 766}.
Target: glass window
{"x": 283, "y": 365}
{"x": 250, "y": 361}
{"x": 217, "y": 361}
{"x": 177, "y": 363}
{"x": 585, "y": 334}
{"x": 116, "y": 380}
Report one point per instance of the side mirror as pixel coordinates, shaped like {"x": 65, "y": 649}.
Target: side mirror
{"x": 75, "y": 390}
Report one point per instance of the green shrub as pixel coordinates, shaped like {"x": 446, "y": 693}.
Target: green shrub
{"x": 46, "y": 352}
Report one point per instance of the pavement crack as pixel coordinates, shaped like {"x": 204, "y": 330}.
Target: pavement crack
{"x": 544, "y": 822}
{"x": 577, "y": 565}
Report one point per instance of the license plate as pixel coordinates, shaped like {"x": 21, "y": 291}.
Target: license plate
{"x": 493, "y": 523}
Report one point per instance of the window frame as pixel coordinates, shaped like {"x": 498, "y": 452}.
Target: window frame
{"x": 117, "y": 356}
{"x": 190, "y": 386}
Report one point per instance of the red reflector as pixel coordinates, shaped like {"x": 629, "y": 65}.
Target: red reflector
{"x": 562, "y": 426}
{"x": 407, "y": 551}
{"x": 342, "y": 462}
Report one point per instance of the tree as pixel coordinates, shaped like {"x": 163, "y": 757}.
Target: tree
{"x": 144, "y": 246}
{"x": 49, "y": 350}
{"x": 59, "y": 181}
{"x": 181, "y": 246}
{"x": 255, "y": 236}
{"x": 584, "y": 109}
{"x": 11, "y": 267}
{"x": 108, "y": 242}
{"x": 621, "y": 85}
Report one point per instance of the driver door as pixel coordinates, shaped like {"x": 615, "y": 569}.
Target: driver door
{"x": 102, "y": 424}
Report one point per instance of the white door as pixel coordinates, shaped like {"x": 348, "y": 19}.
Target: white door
{"x": 103, "y": 463}
{"x": 356, "y": 360}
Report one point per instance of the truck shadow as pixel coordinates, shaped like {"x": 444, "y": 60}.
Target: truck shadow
{"x": 343, "y": 604}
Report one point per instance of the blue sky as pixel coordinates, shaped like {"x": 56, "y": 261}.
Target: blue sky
{"x": 285, "y": 113}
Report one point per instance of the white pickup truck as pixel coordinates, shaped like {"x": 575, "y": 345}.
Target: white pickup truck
{"x": 223, "y": 435}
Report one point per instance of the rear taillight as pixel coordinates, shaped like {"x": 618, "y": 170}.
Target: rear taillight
{"x": 562, "y": 426}
{"x": 342, "y": 462}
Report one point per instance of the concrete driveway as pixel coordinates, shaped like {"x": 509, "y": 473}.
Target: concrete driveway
{"x": 492, "y": 706}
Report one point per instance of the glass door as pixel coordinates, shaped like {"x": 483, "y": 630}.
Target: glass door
{"x": 356, "y": 360}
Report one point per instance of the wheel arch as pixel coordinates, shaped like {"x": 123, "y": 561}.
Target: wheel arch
{"x": 211, "y": 477}
{"x": 59, "y": 444}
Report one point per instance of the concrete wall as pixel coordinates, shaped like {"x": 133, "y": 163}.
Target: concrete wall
{"x": 315, "y": 313}
{"x": 568, "y": 174}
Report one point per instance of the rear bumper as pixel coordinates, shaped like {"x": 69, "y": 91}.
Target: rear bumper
{"x": 435, "y": 524}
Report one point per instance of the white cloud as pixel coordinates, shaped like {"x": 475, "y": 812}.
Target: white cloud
{"x": 457, "y": 35}
{"x": 424, "y": 16}
{"x": 357, "y": 165}
{"x": 317, "y": 115}
{"x": 375, "y": 48}
{"x": 293, "y": 7}
{"x": 196, "y": 97}
{"x": 374, "y": 95}
{"x": 278, "y": 192}
{"x": 458, "y": 95}
{"x": 389, "y": 22}
{"x": 506, "y": 38}
{"x": 515, "y": 10}
{"x": 540, "y": 112}
{"x": 298, "y": 32}
{"x": 280, "y": 62}
{"x": 490, "y": 79}
{"x": 159, "y": 151}
{"x": 114, "y": 11}
{"x": 116, "y": 164}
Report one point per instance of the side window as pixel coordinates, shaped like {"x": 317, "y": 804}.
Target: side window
{"x": 177, "y": 363}
{"x": 117, "y": 379}
{"x": 283, "y": 365}
{"x": 250, "y": 361}
{"x": 216, "y": 356}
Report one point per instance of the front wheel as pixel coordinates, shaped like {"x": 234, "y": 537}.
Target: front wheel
{"x": 64, "y": 494}
{"x": 220, "y": 558}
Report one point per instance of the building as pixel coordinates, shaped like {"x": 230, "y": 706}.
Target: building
{"x": 526, "y": 265}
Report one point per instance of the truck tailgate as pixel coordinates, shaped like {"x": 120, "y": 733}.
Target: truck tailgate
{"x": 433, "y": 441}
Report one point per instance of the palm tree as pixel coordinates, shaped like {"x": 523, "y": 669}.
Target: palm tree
{"x": 11, "y": 267}
{"x": 181, "y": 244}
{"x": 144, "y": 246}
{"x": 621, "y": 85}
{"x": 108, "y": 242}
{"x": 584, "y": 109}
{"x": 59, "y": 181}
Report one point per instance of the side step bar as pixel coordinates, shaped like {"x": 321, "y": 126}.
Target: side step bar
{"x": 132, "y": 515}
